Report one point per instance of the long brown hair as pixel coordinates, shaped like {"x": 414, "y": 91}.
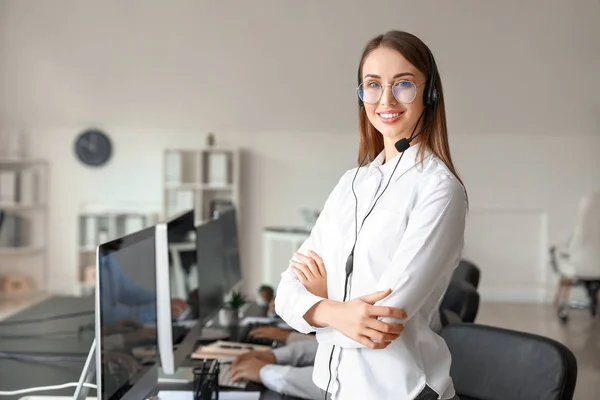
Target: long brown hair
{"x": 435, "y": 136}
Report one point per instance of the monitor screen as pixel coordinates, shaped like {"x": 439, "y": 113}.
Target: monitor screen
{"x": 211, "y": 282}
{"x": 126, "y": 302}
{"x": 231, "y": 253}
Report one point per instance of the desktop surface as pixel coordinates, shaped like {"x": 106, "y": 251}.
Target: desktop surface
{"x": 51, "y": 336}
{"x": 15, "y": 374}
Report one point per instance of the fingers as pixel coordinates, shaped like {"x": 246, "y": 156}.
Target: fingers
{"x": 301, "y": 271}
{"x": 367, "y": 342}
{"x": 379, "y": 336}
{"x": 260, "y": 332}
{"x": 310, "y": 263}
{"x": 380, "y": 326}
{"x": 375, "y": 297}
{"x": 320, "y": 263}
{"x": 237, "y": 372}
{"x": 383, "y": 311}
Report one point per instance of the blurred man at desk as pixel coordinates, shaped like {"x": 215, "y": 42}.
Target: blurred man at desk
{"x": 287, "y": 370}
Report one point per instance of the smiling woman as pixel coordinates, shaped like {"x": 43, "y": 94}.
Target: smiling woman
{"x": 369, "y": 278}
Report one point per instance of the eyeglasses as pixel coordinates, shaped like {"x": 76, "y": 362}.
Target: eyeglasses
{"x": 404, "y": 91}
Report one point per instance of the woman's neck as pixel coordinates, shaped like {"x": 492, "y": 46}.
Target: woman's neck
{"x": 389, "y": 147}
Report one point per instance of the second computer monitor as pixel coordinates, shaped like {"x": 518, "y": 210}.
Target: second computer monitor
{"x": 211, "y": 280}
{"x": 231, "y": 250}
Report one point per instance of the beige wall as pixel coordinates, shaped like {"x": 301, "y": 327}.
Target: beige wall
{"x": 277, "y": 78}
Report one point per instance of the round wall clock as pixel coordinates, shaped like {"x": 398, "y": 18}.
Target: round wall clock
{"x": 93, "y": 147}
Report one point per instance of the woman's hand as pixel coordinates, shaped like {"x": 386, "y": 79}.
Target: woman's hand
{"x": 270, "y": 332}
{"x": 312, "y": 273}
{"x": 358, "y": 319}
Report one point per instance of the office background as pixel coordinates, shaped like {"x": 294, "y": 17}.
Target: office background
{"x": 278, "y": 79}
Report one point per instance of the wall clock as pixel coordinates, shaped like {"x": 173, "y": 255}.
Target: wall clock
{"x": 93, "y": 147}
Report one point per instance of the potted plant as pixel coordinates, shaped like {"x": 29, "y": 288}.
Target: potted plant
{"x": 230, "y": 314}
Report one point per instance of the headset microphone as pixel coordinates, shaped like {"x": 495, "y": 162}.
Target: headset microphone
{"x": 402, "y": 145}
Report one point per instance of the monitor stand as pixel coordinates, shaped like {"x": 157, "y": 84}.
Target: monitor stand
{"x": 181, "y": 375}
{"x": 87, "y": 376}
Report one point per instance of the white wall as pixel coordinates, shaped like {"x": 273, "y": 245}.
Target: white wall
{"x": 277, "y": 78}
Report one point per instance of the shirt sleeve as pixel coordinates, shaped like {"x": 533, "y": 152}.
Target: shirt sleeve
{"x": 298, "y": 354}
{"x": 430, "y": 249}
{"x": 291, "y": 381}
{"x": 296, "y": 336}
{"x": 293, "y": 300}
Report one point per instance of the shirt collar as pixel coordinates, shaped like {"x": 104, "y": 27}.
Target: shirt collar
{"x": 408, "y": 161}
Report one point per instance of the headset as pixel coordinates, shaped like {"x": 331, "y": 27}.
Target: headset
{"x": 430, "y": 100}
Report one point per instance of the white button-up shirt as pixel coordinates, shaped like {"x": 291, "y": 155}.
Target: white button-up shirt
{"x": 411, "y": 242}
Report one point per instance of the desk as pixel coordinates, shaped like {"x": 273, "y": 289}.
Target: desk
{"x": 294, "y": 237}
{"x": 16, "y": 375}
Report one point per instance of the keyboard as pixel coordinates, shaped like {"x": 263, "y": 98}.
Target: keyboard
{"x": 225, "y": 379}
{"x": 246, "y": 338}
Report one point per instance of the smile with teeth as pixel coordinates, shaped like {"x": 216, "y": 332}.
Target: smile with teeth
{"x": 387, "y": 115}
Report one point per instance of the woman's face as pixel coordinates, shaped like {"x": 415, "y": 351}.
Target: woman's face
{"x": 393, "y": 118}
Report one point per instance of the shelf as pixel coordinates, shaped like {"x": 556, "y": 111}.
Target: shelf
{"x": 21, "y": 207}
{"x": 197, "y": 186}
{"x": 21, "y": 161}
{"x": 20, "y": 251}
{"x": 208, "y": 186}
{"x": 182, "y": 186}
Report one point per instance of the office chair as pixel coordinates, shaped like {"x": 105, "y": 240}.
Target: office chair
{"x": 467, "y": 271}
{"x": 460, "y": 303}
{"x": 579, "y": 263}
{"x": 490, "y": 363}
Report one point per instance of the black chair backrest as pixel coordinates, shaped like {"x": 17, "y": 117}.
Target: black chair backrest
{"x": 467, "y": 271}
{"x": 490, "y": 363}
{"x": 462, "y": 299}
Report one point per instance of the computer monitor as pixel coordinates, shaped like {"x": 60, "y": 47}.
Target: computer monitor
{"x": 211, "y": 280}
{"x": 231, "y": 251}
{"x": 126, "y": 336}
{"x": 175, "y": 264}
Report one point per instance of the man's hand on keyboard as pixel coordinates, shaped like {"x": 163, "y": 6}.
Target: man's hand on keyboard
{"x": 267, "y": 356}
{"x": 249, "y": 369}
{"x": 270, "y": 332}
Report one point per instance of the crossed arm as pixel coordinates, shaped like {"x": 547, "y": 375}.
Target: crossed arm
{"x": 430, "y": 248}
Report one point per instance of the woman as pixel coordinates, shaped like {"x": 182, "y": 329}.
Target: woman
{"x": 387, "y": 241}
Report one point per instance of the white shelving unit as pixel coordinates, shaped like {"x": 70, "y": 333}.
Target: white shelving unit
{"x": 203, "y": 179}
{"x": 24, "y": 231}
{"x": 100, "y": 226}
